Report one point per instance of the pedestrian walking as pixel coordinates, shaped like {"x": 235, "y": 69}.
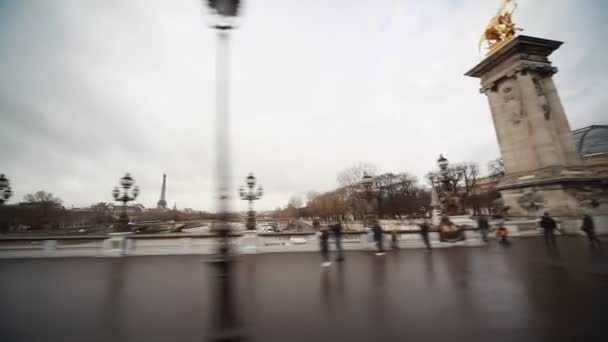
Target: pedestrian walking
{"x": 324, "y": 246}
{"x": 548, "y": 224}
{"x": 484, "y": 226}
{"x": 425, "y": 228}
{"x": 378, "y": 237}
{"x": 337, "y": 231}
{"x": 589, "y": 228}
{"x": 503, "y": 235}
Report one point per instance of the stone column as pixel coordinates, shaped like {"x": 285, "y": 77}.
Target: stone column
{"x": 543, "y": 171}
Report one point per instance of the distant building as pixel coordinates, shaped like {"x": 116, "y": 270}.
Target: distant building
{"x": 591, "y": 140}
{"x": 485, "y": 184}
{"x": 591, "y": 143}
{"x": 132, "y": 210}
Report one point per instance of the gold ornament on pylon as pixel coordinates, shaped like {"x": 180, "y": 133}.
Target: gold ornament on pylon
{"x": 500, "y": 29}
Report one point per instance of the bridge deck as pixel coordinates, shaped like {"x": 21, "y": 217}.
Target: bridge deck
{"x": 458, "y": 294}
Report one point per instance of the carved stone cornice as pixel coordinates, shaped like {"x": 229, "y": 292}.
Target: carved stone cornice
{"x": 517, "y": 69}
{"x": 521, "y": 55}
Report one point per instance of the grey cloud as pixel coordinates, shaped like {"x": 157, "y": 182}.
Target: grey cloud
{"x": 92, "y": 89}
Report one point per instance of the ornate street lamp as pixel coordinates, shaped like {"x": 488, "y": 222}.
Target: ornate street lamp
{"x": 442, "y": 162}
{"x": 251, "y": 195}
{"x": 224, "y": 14}
{"x": 442, "y": 175}
{"x": 5, "y": 189}
{"x": 129, "y": 193}
{"x": 367, "y": 182}
{"x": 444, "y": 185}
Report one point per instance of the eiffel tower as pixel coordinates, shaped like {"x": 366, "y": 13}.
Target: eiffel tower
{"x": 162, "y": 202}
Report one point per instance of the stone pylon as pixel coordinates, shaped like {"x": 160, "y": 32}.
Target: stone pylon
{"x": 436, "y": 207}
{"x": 543, "y": 171}
{"x": 162, "y": 202}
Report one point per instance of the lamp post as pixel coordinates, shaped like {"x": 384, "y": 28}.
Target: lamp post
{"x": 5, "y": 189}
{"x": 129, "y": 193}
{"x": 447, "y": 185}
{"x": 5, "y": 194}
{"x": 443, "y": 163}
{"x": 250, "y": 195}
{"x": 436, "y": 204}
{"x": 224, "y": 14}
{"x": 367, "y": 182}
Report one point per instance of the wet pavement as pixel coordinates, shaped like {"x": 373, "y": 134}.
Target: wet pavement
{"x": 489, "y": 293}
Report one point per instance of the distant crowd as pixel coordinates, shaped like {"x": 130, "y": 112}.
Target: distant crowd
{"x": 547, "y": 223}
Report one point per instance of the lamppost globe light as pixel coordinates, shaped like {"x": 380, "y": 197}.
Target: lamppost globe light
{"x": 126, "y": 181}
{"x": 367, "y": 181}
{"x": 7, "y": 193}
{"x": 442, "y": 162}
{"x": 250, "y": 194}
{"x": 224, "y": 13}
{"x": 250, "y": 180}
{"x": 225, "y": 8}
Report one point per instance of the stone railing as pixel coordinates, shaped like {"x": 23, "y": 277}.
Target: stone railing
{"x": 121, "y": 244}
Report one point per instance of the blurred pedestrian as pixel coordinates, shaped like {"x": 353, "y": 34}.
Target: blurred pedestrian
{"x": 337, "y": 230}
{"x": 503, "y": 235}
{"x": 482, "y": 224}
{"x": 548, "y": 224}
{"x": 324, "y": 246}
{"x": 589, "y": 228}
{"x": 424, "y": 232}
{"x": 378, "y": 237}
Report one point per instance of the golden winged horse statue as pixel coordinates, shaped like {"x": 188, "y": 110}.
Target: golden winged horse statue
{"x": 501, "y": 28}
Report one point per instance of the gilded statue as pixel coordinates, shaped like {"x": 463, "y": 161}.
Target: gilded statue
{"x": 501, "y": 28}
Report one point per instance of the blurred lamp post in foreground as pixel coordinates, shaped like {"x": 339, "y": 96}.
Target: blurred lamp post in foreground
{"x": 251, "y": 195}
{"x": 129, "y": 193}
{"x": 5, "y": 189}
{"x": 224, "y": 14}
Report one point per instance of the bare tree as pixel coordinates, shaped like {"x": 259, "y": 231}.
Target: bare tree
{"x": 355, "y": 173}
{"x": 101, "y": 212}
{"x": 294, "y": 202}
{"x": 459, "y": 180}
{"x": 310, "y": 196}
{"x": 349, "y": 180}
{"x": 42, "y": 197}
{"x": 469, "y": 173}
{"x": 293, "y": 206}
{"x": 45, "y": 210}
{"x": 396, "y": 194}
{"x": 497, "y": 168}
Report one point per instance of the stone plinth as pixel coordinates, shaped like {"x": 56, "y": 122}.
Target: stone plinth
{"x": 117, "y": 244}
{"x": 543, "y": 171}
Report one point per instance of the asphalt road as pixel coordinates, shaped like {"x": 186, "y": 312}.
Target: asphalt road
{"x": 488, "y": 293}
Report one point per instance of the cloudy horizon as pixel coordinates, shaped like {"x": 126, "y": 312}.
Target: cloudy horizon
{"x": 93, "y": 89}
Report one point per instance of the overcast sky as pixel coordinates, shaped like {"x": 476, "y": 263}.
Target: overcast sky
{"x": 92, "y": 89}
